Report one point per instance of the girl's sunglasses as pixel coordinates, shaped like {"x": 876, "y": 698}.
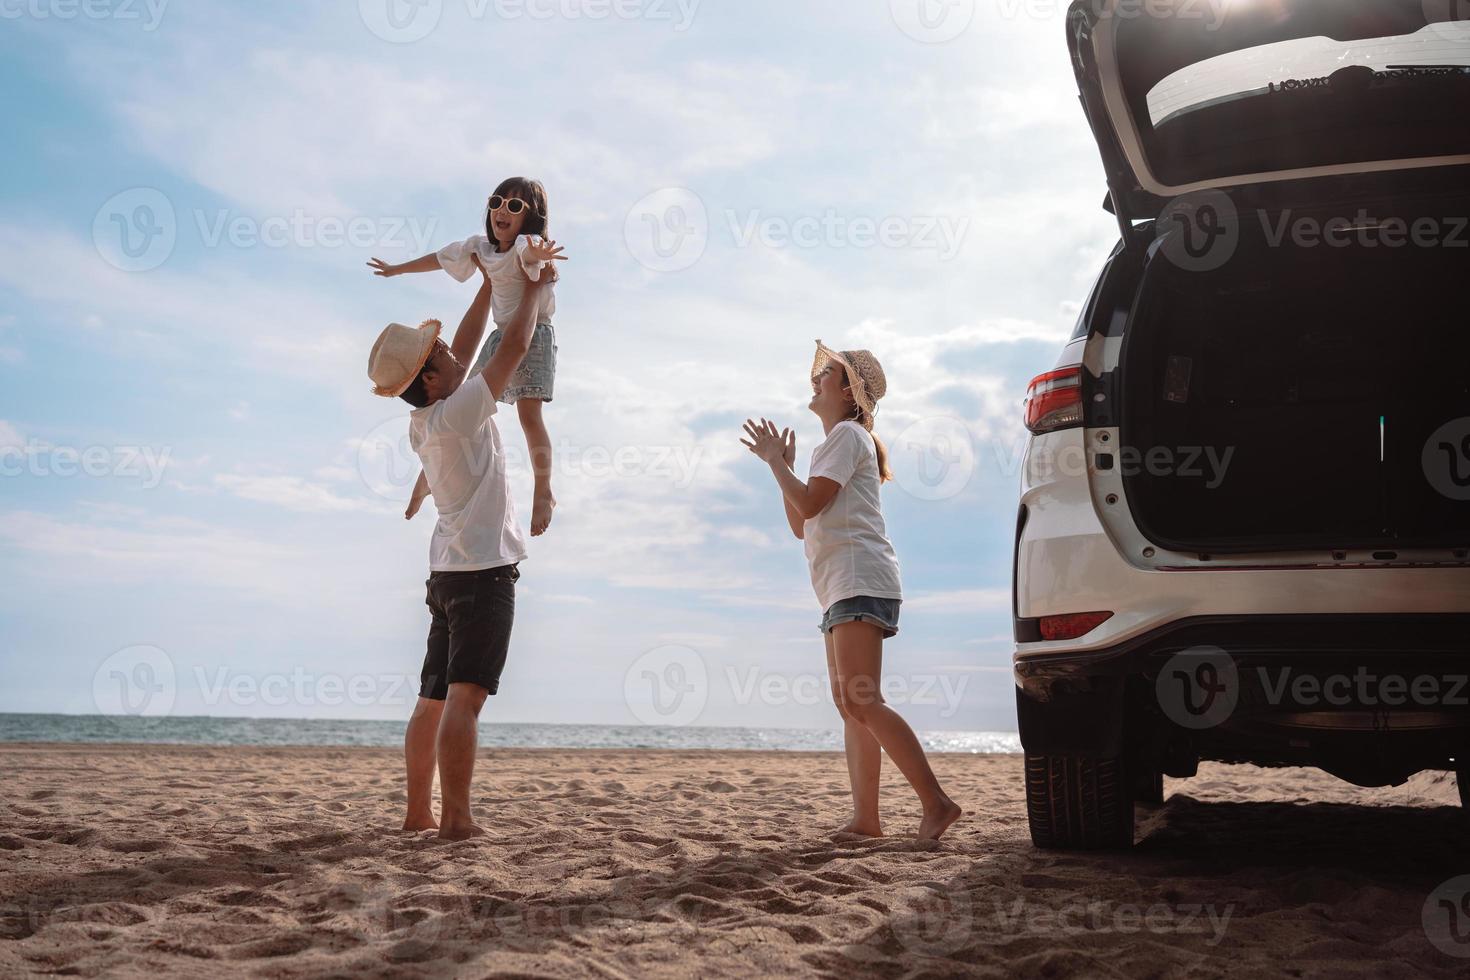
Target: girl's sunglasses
{"x": 514, "y": 205}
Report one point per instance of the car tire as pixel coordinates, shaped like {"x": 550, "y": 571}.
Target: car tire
{"x": 1148, "y": 787}
{"x": 1077, "y": 804}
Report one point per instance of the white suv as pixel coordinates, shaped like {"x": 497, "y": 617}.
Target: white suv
{"x": 1244, "y": 531}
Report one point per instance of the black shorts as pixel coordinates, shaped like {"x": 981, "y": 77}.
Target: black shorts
{"x": 470, "y": 633}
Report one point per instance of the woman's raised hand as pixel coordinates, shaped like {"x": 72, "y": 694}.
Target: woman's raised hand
{"x": 768, "y": 444}
{"x": 385, "y": 269}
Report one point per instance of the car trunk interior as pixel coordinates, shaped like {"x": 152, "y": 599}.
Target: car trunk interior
{"x": 1322, "y": 372}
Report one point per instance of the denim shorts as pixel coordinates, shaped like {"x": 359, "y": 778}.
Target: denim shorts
{"x": 535, "y": 379}
{"x": 469, "y": 635}
{"x": 882, "y": 613}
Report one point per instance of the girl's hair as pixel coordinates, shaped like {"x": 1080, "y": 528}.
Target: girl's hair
{"x": 859, "y": 416}
{"x": 538, "y": 218}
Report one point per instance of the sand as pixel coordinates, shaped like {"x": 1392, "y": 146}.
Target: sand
{"x": 136, "y": 861}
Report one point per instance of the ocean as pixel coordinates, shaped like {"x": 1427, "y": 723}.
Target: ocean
{"x": 388, "y": 734}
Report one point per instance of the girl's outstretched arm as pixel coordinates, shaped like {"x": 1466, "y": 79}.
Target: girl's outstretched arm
{"x": 425, "y": 263}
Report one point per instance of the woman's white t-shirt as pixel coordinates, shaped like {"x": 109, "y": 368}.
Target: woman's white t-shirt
{"x": 508, "y": 271}
{"x": 847, "y": 544}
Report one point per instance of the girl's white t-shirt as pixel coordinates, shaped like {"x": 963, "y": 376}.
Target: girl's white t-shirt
{"x": 509, "y": 272}
{"x": 847, "y": 544}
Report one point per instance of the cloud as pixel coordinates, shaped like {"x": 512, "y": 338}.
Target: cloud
{"x": 294, "y": 493}
{"x": 10, "y": 437}
{"x": 961, "y": 601}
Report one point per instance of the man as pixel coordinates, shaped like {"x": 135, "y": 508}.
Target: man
{"x": 477, "y": 544}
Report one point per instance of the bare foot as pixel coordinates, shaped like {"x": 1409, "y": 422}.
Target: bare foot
{"x": 933, "y": 826}
{"x": 862, "y": 828}
{"x": 541, "y": 509}
{"x": 424, "y": 821}
{"x": 460, "y": 831}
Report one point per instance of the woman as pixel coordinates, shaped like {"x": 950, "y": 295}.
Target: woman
{"x": 838, "y": 513}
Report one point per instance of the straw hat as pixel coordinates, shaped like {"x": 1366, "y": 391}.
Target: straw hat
{"x": 864, "y": 376}
{"x": 399, "y": 356}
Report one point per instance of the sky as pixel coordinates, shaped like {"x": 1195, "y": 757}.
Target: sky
{"x": 201, "y": 500}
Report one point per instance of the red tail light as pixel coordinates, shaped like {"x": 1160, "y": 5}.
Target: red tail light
{"x": 1073, "y": 626}
{"x": 1054, "y": 401}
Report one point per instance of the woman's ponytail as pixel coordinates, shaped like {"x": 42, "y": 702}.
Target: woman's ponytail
{"x": 884, "y": 473}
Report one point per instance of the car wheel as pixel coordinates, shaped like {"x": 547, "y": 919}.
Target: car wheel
{"x": 1148, "y": 787}
{"x": 1078, "y": 804}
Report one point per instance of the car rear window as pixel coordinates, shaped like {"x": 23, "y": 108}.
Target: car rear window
{"x": 1309, "y": 102}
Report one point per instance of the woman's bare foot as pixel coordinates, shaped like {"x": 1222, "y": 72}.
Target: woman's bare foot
{"x": 862, "y": 828}
{"x": 420, "y": 821}
{"x": 935, "y": 823}
{"x": 460, "y": 831}
{"x": 542, "y": 507}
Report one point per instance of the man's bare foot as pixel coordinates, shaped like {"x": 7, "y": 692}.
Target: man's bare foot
{"x": 541, "y": 510}
{"x": 862, "y": 828}
{"x": 934, "y": 824}
{"x": 424, "y": 821}
{"x": 462, "y": 831}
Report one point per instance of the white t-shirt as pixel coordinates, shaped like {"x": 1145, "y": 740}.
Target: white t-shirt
{"x": 457, "y": 441}
{"x": 509, "y": 272}
{"x": 847, "y": 544}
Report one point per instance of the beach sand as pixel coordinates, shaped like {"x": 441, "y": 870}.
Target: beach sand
{"x": 151, "y": 861}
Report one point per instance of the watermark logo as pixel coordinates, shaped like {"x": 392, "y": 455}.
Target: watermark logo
{"x": 1447, "y": 459}
{"x": 668, "y": 231}
{"x": 1447, "y": 917}
{"x": 387, "y": 463}
{"x": 401, "y": 21}
{"x": 933, "y": 21}
{"x": 667, "y": 686}
{"x": 934, "y": 459}
{"x": 1199, "y": 688}
{"x": 149, "y": 13}
{"x": 136, "y": 230}
{"x": 136, "y": 682}
{"x": 942, "y": 234}
{"x": 1199, "y": 232}
{"x": 930, "y": 921}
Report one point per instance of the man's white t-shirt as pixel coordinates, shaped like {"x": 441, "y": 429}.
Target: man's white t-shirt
{"x": 457, "y": 441}
{"x": 847, "y": 544}
{"x": 508, "y": 271}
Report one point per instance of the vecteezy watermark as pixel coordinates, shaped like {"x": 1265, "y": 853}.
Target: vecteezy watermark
{"x": 1199, "y": 232}
{"x": 1198, "y": 688}
{"x": 932, "y": 921}
{"x": 1207, "y": 465}
{"x": 942, "y": 234}
{"x": 407, "y": 21}
{"x": 934, "y": 459}
{"x": 135, "y": 682}
{"x": 138, "y": 230}
{"x": 1446, "y": 459}
{"x": 667, "y": 686}
{"x": 1082, "y": 917}
{"x": 1203, "y": 687}
{"x": 1363, "y": 230}
{"x": 756, "y": 685}
{"x": 933, "y": 21}
{"x": 302, "y": 688}
{"x": 35, "y": 458}
{"x": 1446, "y": 917}
{"x": 668, "y": 231}
{"x": 148, "y": 14}
{"x": 389, "y": 467}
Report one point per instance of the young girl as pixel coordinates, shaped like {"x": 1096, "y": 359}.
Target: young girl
{"x": 837, "y": 512}
{"x": 513, "y": 250}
